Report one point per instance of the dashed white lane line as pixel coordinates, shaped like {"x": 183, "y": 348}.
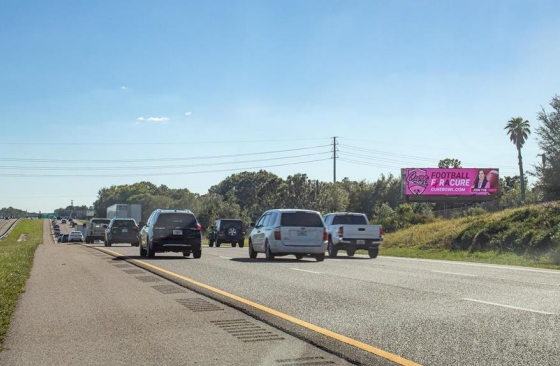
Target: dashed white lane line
{"x": 305, "y": 270}
{"x": 483, "y": 265}
{"x": 455, "y": 273}
{"x": 225, "y": 257}
{"x": 509, "y": 306}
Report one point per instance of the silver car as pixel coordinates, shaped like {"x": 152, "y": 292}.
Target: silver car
{"x": 75, "y": 236}
{"x": 282, "y": 232}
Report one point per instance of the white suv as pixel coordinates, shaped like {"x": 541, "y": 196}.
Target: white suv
{"x": 281, "y": 232}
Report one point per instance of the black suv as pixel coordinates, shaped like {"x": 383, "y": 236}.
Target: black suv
{"x": 227, "y": 231}
{"x": 171, "y": 231}
{"x": 122, "y": 230}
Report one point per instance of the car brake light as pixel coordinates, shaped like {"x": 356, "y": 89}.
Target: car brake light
{"x": 277, "y": 234}
{"x": 198, "y": 227}
{"x": 381, "y": 230}
{"x": 341, "y": 231}
{"x": 325, "y": 235}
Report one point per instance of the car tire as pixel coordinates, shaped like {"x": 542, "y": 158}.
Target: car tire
{"x": 150, "y": 250}
{"x": 197, "y": 254}
{"x": 332, "y": 251}
{"x": 268, "y": 252}
{"x": 320, "y": 257}
{"x": 211, "y": 243}
{"x": 143, "y": 251}
{"x": 241, "y": 243}
{"x": 218, "y": 243}
{"x": 252, "y": 253}
{"x": 233, "y": 245}
{"x": 351, "y": 252}
{"x": 373, "y": 252}
{"x": 299, "y": 256}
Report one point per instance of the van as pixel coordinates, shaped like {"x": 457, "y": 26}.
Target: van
{"x": 281, "y": 232}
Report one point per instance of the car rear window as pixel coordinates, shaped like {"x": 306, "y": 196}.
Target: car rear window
{"x": 349, "y": 220}
{"x": 301, "y": 218}
{"x": 124, "y": 223}
{"x": 176, "y": 220}
{"x": 100, "y": 222}
{"x": 229, "y": 223}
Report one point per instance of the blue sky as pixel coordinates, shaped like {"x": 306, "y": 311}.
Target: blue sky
{"x": 100, "y": 90}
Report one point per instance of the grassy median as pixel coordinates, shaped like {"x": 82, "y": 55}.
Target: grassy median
{"x": 16, "y": 259}
{"x": 526, "y": 236}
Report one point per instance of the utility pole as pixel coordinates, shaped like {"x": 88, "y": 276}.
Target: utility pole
{"x": 334, "y": 158}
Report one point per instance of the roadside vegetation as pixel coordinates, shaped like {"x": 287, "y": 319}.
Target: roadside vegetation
{"x": 16, "y": 260}
{"x": 525, "y": 236}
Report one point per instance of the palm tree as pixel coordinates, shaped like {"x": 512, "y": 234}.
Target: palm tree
{"x": 518, "y": 131}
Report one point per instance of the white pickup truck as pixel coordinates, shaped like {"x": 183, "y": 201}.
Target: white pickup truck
{"x": 350, "y": 231}
{"x": 94, "y": 229}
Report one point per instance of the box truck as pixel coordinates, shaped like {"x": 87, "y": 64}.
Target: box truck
{"x": 125, "y": 210}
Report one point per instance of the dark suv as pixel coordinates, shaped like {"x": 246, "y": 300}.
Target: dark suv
{"x": 227, "y": 231}
{"x": 171, "y": 231}
{"x": 122, "y": 230}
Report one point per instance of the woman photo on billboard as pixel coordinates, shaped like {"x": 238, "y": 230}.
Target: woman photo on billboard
{"x": 481, "y": 181}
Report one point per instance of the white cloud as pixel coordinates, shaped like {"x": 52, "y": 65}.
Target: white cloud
{"x": 153, "y": 119}
{"x": 188, "y": 113}
{"x": 124, "y": 87}
{"x": 157, "y": 119}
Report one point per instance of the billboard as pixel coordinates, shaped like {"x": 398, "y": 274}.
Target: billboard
{"x": 466, "y": 183}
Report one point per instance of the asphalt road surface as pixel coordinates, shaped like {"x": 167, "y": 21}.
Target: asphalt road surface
{"x": 84, "y": 307}
{"x": 429, "y": 312}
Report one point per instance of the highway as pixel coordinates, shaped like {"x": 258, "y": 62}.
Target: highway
{"x": 430, "y": 312}
{"x": 5, "y": 225}
{"x": 424, "y": 311}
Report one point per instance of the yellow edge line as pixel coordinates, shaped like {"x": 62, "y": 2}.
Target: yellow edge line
{"x": 323, "y": 331}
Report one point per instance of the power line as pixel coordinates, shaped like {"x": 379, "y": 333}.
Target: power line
{"x": 159, "y": 166}
{"x": 411, "y": 157}
{"x": 153, "y": 174}
{"x": 369, "y": 164}
{"x": 88, "y": 143}
{"x": 156, "y": 159}
{"x": 376, "y": 158}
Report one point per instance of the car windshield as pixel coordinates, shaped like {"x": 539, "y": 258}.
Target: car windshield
{"x": 301, "y": 218}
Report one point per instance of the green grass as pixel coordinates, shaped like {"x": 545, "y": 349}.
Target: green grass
{"x": 16, "y": 260}
{"x": 526, "y": 236}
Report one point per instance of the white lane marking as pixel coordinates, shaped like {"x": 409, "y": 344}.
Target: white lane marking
{"x": 455, "y": 273}
{"x": 304, "y": 270}
{"x": 225, "y": 257}
{"x": 505, "y": 267}
{"x": 509, "y": 306}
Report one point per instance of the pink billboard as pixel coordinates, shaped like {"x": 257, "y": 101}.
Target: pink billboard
{"x": 451, "y": 182}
